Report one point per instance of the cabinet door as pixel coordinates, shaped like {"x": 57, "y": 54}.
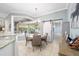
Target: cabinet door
{"x": 8, "y": 50}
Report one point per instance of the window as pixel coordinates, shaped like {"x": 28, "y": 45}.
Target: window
{"x": 30, "y": 28}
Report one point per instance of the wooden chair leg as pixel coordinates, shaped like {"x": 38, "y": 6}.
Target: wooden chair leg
{"x": 40, "y": 48}
{"x": 33, "y": 48}
{"x": 46, "y": 42}
{"x": 26, "y": 43}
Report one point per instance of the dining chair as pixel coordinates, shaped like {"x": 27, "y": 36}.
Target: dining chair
{"x": 44, "y": 38}
{"x": 36, "y": 42}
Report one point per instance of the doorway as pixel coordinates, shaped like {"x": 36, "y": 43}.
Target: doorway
{"x": 56, "y": 29}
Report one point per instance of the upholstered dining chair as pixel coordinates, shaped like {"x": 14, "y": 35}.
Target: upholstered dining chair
{"x": 26, "y": 40}
{"x": 36, "y": 42}
{"x": 44, "y": 38}
{"x": 26, "y": 37}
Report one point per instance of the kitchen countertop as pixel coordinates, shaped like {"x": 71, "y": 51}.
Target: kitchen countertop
{"x": 6, "y": 39}
{"x": 6, "y": 34}
{"x": 5, "y": 42}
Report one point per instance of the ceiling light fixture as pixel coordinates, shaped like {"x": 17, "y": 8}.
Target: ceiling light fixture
{"x": 36, "y": 15}
{"x": 36, "y": 12}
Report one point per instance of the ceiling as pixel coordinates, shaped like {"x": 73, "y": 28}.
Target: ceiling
{"x": 22, "y": 19}
{"x": 29, "y": 8}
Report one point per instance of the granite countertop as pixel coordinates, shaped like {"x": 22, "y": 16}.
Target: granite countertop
{"x": 6, "y": 38}
{"x": 5, "y": 42}
{"x": 7, "y": 34}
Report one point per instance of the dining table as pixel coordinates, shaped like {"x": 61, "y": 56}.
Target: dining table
{"x": 30, "y": 37}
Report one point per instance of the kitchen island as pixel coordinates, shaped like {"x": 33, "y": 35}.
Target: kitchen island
{"x": 7, "y": 44}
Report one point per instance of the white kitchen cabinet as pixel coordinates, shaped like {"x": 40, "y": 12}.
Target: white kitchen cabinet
{"x": 8, "y": 50}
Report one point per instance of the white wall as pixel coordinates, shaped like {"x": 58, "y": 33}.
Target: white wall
{"x": 3, "y": 15}
{"x": 47, "y": 29}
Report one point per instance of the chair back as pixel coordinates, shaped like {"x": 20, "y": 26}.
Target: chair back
{"x": 45, "y": 36}
{"x": 36, "y": 40}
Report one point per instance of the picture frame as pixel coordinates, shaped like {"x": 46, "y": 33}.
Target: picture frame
{"x": 74, "y": 17}
{"x": 75, "y": 24}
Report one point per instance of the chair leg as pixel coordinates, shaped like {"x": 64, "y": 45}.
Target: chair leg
{"x": 26, "y": 43}
{"x": 33, "y": 48}
{"x": 46, "y": 42}
{"x": 40, "y": 48}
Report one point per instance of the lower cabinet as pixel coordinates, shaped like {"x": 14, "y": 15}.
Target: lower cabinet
{"x": 8, "y": 50}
